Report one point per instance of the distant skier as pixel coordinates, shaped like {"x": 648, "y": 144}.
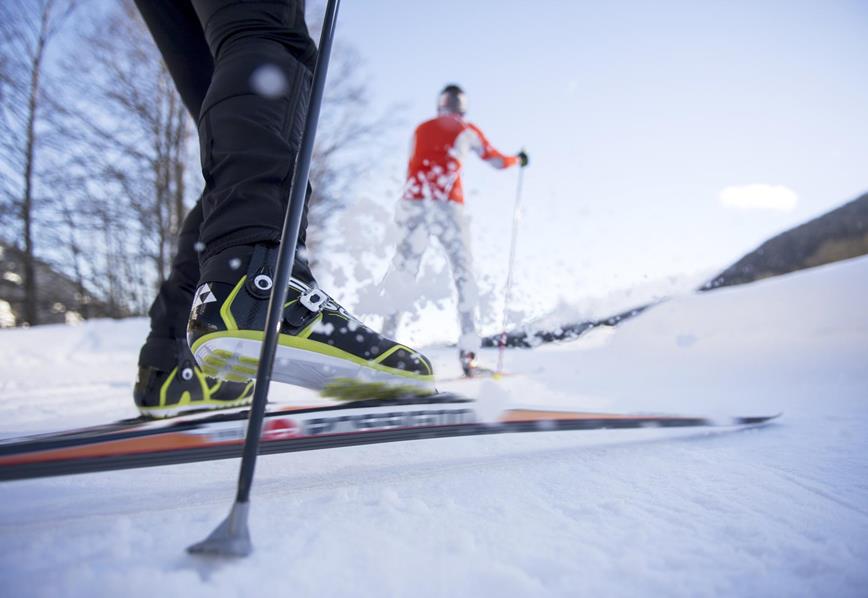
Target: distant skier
{"x": 433, "y": 205}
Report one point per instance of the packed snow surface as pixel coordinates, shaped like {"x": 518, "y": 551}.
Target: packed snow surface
{"x": 776, "y": 510}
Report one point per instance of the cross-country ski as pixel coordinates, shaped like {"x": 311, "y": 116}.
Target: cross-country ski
{"x": 142, "y": 444}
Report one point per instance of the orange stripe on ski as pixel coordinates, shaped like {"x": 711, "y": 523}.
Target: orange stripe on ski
{"x": 113, "y": 448}
{"x": 524, "y": 415}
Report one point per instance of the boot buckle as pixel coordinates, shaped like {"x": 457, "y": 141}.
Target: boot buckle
{"x": 313, "y": 300}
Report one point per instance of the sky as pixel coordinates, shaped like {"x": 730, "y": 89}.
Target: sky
{"x": 666, "y": 139}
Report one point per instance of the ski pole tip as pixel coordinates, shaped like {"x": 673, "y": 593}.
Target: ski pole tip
{"x": 231, "y": 539}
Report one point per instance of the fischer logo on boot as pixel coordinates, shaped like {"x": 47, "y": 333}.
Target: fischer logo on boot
{"x": 203, "y": 296}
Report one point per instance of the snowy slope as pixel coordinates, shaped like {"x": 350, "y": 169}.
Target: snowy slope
{"x": 780, "y": 510}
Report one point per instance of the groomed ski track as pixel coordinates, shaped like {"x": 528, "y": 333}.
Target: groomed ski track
{"x": 776, "y": 510}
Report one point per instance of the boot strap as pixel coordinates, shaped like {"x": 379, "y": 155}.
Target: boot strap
{"x": 300, "y": 313}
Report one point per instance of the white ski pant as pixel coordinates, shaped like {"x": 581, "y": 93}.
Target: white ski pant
{"x": 445, "y": 221}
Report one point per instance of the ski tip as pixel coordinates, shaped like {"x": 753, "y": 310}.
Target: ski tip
{"x": 756, "y": 419}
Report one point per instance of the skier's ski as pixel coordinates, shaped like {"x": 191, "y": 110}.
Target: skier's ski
{"x": 208, "y": 436}
{"x": 479, "y": 373}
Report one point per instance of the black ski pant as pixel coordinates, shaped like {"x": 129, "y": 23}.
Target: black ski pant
{"x": 243, "y": 69}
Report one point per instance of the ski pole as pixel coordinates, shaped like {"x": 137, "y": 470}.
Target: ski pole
{"x": 516, "y": 217}
{"x": 232, "y": 538}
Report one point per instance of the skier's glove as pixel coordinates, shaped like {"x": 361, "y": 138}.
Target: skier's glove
{"x": 522, "y": 158}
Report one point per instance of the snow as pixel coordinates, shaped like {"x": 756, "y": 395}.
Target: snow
{"x": 775, "y": 510}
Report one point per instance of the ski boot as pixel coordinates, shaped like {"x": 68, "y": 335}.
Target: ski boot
{"x": 319, "y": 341}
{"x": 184, "y": 389}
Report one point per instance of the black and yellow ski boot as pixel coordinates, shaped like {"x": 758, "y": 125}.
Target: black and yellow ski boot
{"x": 319, "y": 340}
{"x": 184, "y": 389}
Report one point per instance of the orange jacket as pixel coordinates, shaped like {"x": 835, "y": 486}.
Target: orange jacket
{"x": 439, "y": 145}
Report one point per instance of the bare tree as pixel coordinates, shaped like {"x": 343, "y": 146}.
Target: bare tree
{"x": 116, "y": 152}
{"x": 27, "y": 28}
{"x": 133, "y": 135}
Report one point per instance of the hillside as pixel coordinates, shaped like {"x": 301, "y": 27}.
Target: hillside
{"x": 778, "y": 510}
{"x": 837, "y": 235}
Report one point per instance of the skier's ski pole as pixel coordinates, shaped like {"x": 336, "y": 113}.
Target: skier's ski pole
{"x": 516, "y": 217}
{"x": 232, "y": 538}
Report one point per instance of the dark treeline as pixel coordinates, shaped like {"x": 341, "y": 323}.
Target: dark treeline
{"x": 99, "y": 159}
